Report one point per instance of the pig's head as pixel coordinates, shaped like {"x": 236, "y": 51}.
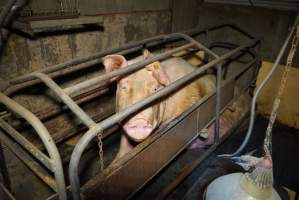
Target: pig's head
{"x": 135, "y": 87}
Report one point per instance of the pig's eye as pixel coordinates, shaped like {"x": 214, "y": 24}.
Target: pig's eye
{"x": 123, "y": 87}
{"x": 155, "y": 89}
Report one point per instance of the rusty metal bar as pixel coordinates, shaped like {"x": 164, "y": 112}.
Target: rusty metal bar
{"x": 87, "y": 137}
{"x": 29, "y": 161}
{"x": 26, "y": 144}
{"x": 44, "y": 136}
{"x": 66, "y": 99}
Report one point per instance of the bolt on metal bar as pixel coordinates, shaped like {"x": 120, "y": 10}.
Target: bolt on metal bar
{"x": 41, "y": 172}
{"x": 131, "y": 68}
{"x": 44, "y": 136}
{"x": 66, "y": 99}
{"x": 91, "y": 133}
{"x": 26, "y": 144}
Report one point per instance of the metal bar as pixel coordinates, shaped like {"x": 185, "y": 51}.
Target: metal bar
{"x": 188, "y": 169}
{"x": 131, "y": 68}
{"x": 44, "y": 136}
{"x": 218, "y": 101}
{"x": 5, "y": 11}
{"x": 77, "y": 61}
{"x": 6, "y": 192}
{"x": 3, "y": 168}
{"x": 26, "y": 144}
{"x": 87, "y": 137}
{"x": 14, "y": 88}
{"x": 62, "y": 69}
{"x": 66, "y": 99}
{"x": 28, "y": 161}
{"x": 126, "y": 47}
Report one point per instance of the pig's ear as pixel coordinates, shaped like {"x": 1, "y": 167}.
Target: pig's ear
{"x": 114, "y": 62}
{"x": 158, "y": 73}
{"x": 146, "y": 53}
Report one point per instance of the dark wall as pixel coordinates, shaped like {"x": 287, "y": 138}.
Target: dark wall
{"x": 269, "y": 25}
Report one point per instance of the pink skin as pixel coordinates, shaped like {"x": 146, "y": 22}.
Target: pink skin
{"x": 225, "y": 124}
{"x": 138, "y": 129}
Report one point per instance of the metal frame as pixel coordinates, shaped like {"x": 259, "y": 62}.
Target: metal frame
{"x": 21, "y": 146}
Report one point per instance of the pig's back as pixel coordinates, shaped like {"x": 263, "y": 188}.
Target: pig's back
{"x": 176, "y": 68}
{"x": 179, "y": 102}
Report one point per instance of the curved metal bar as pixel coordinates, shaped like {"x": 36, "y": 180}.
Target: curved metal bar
{"x": 46, "y": 139}
{"x": 66, "y": 99}
{"x": 89, "y": 135}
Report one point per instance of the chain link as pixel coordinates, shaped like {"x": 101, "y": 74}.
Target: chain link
{"x": 101, "y": 152}
{"x": 268, "y": 138}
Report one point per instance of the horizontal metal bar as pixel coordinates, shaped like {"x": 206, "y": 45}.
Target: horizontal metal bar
{"x": 28, "y": 161}
{"x": 131, "y": 68}
{"x": 44, "y": 136}
{"x": 14, "y": 88}
{"x": 65, "y": 68}
{"x": 77, "y": 61}
{"x": 87, "y": 137}
{"x": 66, "y": 99}
{"x": 26, "y": 144}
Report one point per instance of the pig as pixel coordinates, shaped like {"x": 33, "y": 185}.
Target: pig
{"x": 146, "y": 81}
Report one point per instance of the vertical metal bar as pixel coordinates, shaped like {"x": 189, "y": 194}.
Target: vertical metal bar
{"x": 3, "y": 168}
{"x": 218, "y": 101}
{"x": 44, "y": 136}
{"x": 66, "y": 99}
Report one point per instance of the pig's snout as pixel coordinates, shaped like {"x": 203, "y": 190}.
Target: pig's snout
{"x": 138, "y": 129}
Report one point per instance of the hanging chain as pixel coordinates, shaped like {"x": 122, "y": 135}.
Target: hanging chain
{"x": 268, "y": 138}
{"x": 101, "y": 152}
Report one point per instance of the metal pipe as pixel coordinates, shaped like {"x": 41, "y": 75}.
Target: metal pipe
{"x": 218, "y": 101}
{"x": 62, "y": 69}
{"x": 258, "y": 90}
{"x": 26, "y": 144}
{"x": 5, "y": 11}
{"x": 28, "y": 161}
{"x": 66, "y": 99}
{"x": 3, "y": 168}
{"x": 44, "y": 136}
{"x": 131, "y": 68}
{"x": 19, "y": 86}
{"x": 78, "y": 61}
{"x": 164, "y": 38}
{"x": 90, "y": 134}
